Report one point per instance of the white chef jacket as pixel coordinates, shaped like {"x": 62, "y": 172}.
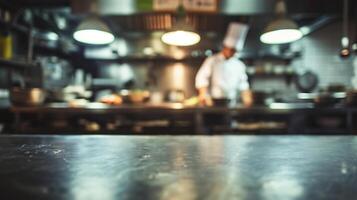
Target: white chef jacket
{"x": 224, "y": 78}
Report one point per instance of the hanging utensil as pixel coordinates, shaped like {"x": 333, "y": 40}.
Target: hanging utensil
{"x": 345, "y": 51}
{"x": 354, "y": 45}
{"x": 306, "y": 82}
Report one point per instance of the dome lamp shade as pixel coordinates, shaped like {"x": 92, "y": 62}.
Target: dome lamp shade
{"x": 93, "y": 31}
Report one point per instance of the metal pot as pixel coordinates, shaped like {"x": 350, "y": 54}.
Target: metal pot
{"x": 306, "y": 82}
{"x": 27, "y": 96}
{"x": 259, "y": 97}
{"x": 329, "y": 99}
{"x": 61, "y": 96}
{"x": 221, "y": 101}
{"x": 325, "y": 99}
{"x": 351, "y": 99}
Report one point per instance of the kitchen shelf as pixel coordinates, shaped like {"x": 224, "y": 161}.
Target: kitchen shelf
{"x": 299, "y": 120}
{"x": 15, "y": 65}
{"x": 14, "y": 27}
{"x": 188, "y": 58}
{"x": 266, "y": 75}
{"x": 288, "y": 78}
{"x": 147, "y": 59}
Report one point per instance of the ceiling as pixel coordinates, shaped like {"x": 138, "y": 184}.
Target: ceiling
{"x": 124, "y": 17}
{"x": 226, "y": 6}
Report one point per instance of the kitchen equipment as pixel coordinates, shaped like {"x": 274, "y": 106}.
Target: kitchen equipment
{"x": 60, "y": 96}
{"x": 46, "y": 38}
{"x": 111, "y": 99}
{"x": 134, "y": 96}
{"x": 336, "y": 88}
{"x": 345, "y": 50}
{"x": 331, "y": 95}
{"x": 6, "y": 44}
{"x": 259, "y": 125}
{"x": 221, "y": 101}
{"x": 322, "y": 98}
{"x": 306, "y": 82}
{"x": 56, "y": 72}
{"x": 329, "y": 122}
{"x": 69, "y": 93}
{"x": 27, "y": 96}
{"x": 259, "y": 97}
{"x": 351, "y": 98}
{"x": 156, "y": 97}
{"x": 326, "y": 99}
{"x": 175, "y": 95}
{"x": 354, "y": 43}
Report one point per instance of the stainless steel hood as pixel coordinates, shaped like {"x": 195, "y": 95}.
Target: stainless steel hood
{"x": 235, "y": 7}
{"x": 231, "y": 7}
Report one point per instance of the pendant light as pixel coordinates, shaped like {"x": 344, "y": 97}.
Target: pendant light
{"x": 181, "y": 38}
{"x": 182, "y": 33}
{"x": 93, "y": 31}
{"x": 282, "y": 29}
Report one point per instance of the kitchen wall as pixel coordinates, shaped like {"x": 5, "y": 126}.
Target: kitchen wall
{"x": 320, "y": 54}
{"x": 156, "y": 76}
{"x": 3, "y": 78}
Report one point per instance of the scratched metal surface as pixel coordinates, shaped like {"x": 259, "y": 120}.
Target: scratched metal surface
{"x": 178, "y": 168}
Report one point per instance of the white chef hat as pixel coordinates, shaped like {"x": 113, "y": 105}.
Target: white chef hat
{"x": 236, "y": 35}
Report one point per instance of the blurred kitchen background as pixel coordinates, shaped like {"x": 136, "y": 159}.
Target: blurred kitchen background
{"x": 307, "y": 85}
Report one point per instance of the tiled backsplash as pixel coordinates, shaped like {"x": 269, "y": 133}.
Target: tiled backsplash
{"x": 320, "y": 53}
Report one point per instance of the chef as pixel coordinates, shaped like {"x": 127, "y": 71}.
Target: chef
{"x": 222, "y": 75}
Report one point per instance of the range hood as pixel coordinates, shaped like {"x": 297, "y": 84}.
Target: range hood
{"x": 229, "y": 7}
{"x": 232, "y": 7}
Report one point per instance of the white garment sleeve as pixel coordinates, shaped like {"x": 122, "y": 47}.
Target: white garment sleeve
{"x": 243, "y": 78}
{"x": 204, "y": 73}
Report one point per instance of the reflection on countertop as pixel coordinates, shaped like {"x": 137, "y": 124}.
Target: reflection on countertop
{"x": 167, "y": 106}
{"x": 181, "y": 167}
{"x": 177, "y": 118}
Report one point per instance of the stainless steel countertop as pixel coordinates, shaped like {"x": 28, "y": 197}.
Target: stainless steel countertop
{"x": 180, "y": 167}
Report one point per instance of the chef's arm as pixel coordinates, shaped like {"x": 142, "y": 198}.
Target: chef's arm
{"x": 202, "y": 82}
{"x": 247, "y": 97}
{"x": 203, "y": 97}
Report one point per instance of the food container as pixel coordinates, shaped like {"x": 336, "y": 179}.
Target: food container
{"x": 135, "y": 96}
{"x": 27, "y": 96}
